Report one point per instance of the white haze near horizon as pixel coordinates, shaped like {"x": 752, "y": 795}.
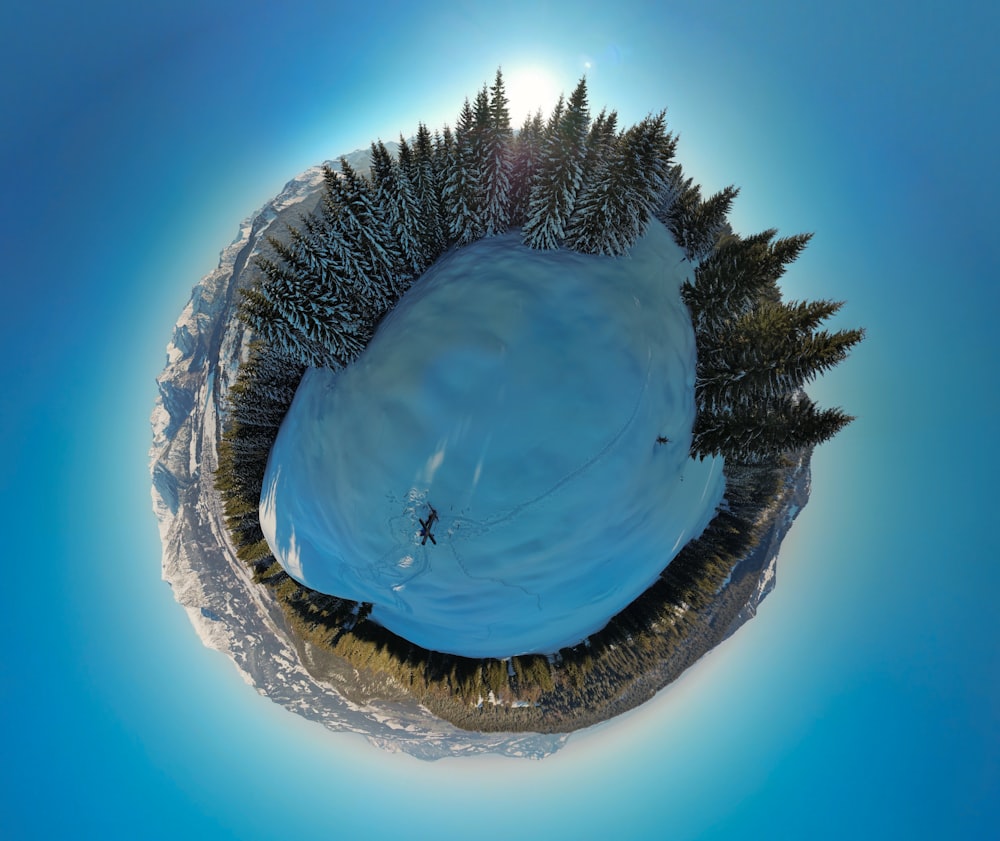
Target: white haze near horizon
{"x": 521, "y": 393}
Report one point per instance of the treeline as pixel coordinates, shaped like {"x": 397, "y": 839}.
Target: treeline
{"x": 568, "y": 181}
{"x": 255, "y": 405}
{"x": 571, "y": 182}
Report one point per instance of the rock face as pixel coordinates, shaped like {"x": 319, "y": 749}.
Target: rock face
{"x": 239, "y": 618}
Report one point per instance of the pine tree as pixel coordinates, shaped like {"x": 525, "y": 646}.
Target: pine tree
{"x": 601, "y": 138}
{"x": 734, "y": 276}
{"x": 461, "y": 190}
{"x": 330, "y": 234}
{"x": 554, "y": 120}
{"x": 655, "y": 147}
{"x": 311, "y": 244}
{"x": 497, "y": 164}
{"x": 803, "y": 317}
{"x": 382, "y": 171}
{"x": 263, "y": 309}
{"x": 407, "y": 221}
{"x": 274, "y": 378}
{"x": 361, "y": 239}
{"x": 678, "y": 202}
{"x": 617, "y": 201}
{"x": 602, "y": 216}
{"x": 770, "y": 351}
{"x": 526, "y": 157}
{"x": 263, "y": 390}
{"x": 313, "y": 301}
{"x": 480, "y": 126}
{"x": 444, "y": 149}
{"x": 476, "y": 151}
{"x": 755, "y": 353}
{"x": 765, "y": 430}
{"x": 427, "y": 185}
{"x": 707, "y": 223}
{"x": 557, "y": 181}
{"x": 696, "y": 223}
{"x": 303, "y": 321}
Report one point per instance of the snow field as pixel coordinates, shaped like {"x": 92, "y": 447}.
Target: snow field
{"x": 520, "y": 393}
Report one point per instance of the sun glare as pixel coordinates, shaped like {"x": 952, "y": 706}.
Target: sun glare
{"x": 528, "y": 89}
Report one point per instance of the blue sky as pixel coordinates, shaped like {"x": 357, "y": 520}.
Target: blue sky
{"x": 860, "y": 702}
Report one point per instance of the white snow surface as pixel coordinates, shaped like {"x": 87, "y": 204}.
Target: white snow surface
{"x": 520, "y": 393}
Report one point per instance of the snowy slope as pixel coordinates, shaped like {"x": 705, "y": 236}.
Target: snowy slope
{"x": 521, "y": 394}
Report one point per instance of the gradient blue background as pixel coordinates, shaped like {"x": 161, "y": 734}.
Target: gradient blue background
{"x": 862, "y": 702}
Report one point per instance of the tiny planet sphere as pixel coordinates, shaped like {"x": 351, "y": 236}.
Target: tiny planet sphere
{"x": 506, "y": 465}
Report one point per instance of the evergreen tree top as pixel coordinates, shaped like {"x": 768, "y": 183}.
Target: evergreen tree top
{"x": 499, "y": 114}
{"x": 576, "y": 120}
{"x": 466, "y": 121}
{"x": 481, "y": 109}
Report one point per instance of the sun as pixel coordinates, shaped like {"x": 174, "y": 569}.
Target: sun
{"x": 529, "y": 89}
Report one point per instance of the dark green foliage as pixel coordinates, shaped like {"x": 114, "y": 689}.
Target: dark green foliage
{"x": 695, "y": 223}
{"x": 426, "y": 180}
{"x": 765, "y": 429}
{"x": 527, "y": 157}
{"x": 617, "y": 200}
{"x": 755, "y": 353}
{"x": 407, "y": 217}
{"x": 479, "y": 130}
{"x": 558, "y": 177}
{"x": 301, "y": 317}
{"x": 462, "y": 189}
{"x": 736, "y": 275}
{"x": 497, "y": 163}
{"x": 708, "y": 222}
{"x": 256, "y": 404}
{"x": 773, "y": 349}
{"x": 600, "y": 139}
{"x": 360, "y": 233}
{"x": 444, "y": 149}
{"x": 382, "y": 171}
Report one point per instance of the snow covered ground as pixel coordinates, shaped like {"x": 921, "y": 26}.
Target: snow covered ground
{"x": 521, "y": 394}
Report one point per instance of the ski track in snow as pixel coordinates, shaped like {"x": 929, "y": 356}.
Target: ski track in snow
{"x": 483, "y": 527}
{"x": 590, "y": 462}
